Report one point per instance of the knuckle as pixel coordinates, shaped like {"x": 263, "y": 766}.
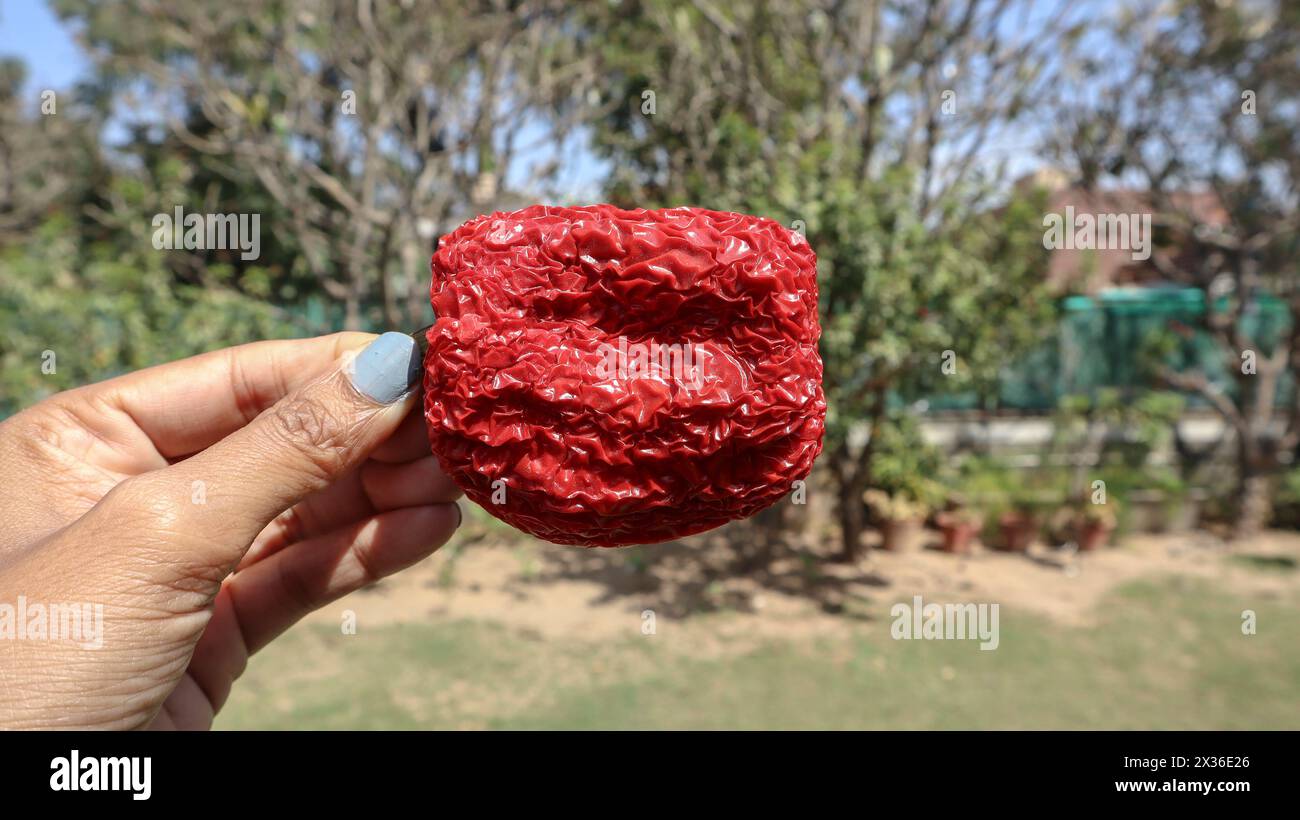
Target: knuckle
{"x": 314, "y": 429}
{"x": 38, "y": 433}
{"x": 347, "y": 340}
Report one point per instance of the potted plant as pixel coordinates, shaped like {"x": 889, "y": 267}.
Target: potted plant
{"x": 1017, "y": 527}
{"x": 958, "y": 527}
{"x": 1159, "y": 502}
{"x": 1012, "y": 498}
{"x": 1061, "y": 527}
{"x": 1017, "y": 519}
{"x": 902, "y": 520}
{"x": 1093, "y": 525}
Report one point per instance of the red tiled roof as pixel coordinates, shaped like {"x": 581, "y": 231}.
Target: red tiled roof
{"x": 1089, "y": 271}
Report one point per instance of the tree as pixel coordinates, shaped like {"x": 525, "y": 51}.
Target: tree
{"x": 373, "y": 128}
{"x": 83, "y": 294}
{"x": 1198, "y": 104}
{"x": 357, "y": 131}
{"x": 34, "y": 147}
{"x": 866, "y": 125}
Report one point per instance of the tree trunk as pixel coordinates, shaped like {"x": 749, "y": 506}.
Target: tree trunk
{"x": 765, "y": 533}
{"x": 852, "y": 476}
{"x": 1254, "y": 496}
{"x": 1257, "y": 455}
{"x": 851, "y": 519}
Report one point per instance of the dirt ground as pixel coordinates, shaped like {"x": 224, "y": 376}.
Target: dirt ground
{"x": 548, "y": 591}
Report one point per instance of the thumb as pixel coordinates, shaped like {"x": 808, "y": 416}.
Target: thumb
{"x": 299, "y": 445}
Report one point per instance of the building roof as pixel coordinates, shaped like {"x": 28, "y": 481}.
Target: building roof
{"x": 1090, "y": 271}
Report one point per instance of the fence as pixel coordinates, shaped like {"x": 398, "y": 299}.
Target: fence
{"x": 1106, "y": 341}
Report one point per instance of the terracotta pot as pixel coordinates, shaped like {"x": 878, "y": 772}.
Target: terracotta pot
{"x": 1090, "y": 535}
{"x": 957, "y": 532}
{"x": 902, "y": 534}
{"x": 1017, "y": 530}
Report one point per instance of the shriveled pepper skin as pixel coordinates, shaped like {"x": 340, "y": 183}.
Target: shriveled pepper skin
{"x": 533, "y": 412}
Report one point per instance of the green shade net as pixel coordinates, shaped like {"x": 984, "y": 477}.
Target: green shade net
{"x": 1099, "y": 340}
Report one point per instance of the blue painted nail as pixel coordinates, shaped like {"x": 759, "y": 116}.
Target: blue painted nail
{"x": 388, "y": 368}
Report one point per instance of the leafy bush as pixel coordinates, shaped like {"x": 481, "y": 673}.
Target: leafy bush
{"x": 904, "y": 466}
{"x": 75, "y": 315}
{"x": 1286, "y": 500}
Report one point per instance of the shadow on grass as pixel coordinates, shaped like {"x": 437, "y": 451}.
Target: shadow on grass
{"x": 1166, "y": 654}
{"x": 1267, "y": 563}
{"x": 713, "y": 572}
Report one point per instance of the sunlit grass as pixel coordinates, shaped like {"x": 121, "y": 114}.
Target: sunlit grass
{"x": 1167, "y": 655}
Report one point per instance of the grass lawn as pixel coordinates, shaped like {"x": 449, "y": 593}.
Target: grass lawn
{"x": 1164, "y": 655}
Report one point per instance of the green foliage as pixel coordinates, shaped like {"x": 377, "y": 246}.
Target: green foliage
{"x": 103, "y": 311}
{"x": 1286, "y": 500}
{"x": 84, "y": 295}
{"x": 901, "y": 298}
{"x": 895, "y": 507}
{"x": 904, "y": 465}
{"x": 997, "y": 486}
{"x": 900, "y": 283}
{"x": 1119, "y": 430}
{"x": 1288, "y": 489}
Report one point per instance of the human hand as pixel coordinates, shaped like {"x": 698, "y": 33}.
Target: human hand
{"x": 203, "y": 506}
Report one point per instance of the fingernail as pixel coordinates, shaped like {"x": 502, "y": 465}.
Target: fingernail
{"x": 388, "y": 368}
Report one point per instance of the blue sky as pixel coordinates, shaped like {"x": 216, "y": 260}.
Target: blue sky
{"x": 28, "y": 29}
